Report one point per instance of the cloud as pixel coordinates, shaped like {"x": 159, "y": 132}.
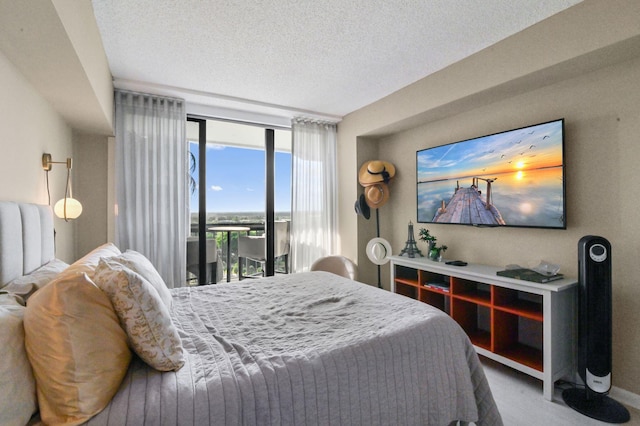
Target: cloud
{"x": 216, "y": 188}
{"x": 250, "y": 189}
{"x": 215, "y": 146}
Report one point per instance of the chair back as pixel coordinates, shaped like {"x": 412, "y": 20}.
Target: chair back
{"x": 254, "y": 247}
{"x": 192, "y": 251}
{"x": 251, "y": 246}
{"x": 281, "y": 234}
{"x": 213, "y": 267}
{"x": 338, "y": 265}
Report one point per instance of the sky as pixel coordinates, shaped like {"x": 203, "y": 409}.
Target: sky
{"x": 530, "y": 148}
{"x": 236, "y": 180}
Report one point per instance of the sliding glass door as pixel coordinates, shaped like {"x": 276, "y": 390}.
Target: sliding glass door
{"x": 241, "y": 191}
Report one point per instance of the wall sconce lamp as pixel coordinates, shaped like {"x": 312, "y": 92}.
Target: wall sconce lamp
{"x": 68, "y": 207}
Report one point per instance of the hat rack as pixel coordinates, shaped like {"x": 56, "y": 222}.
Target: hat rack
{"x": 378, "y": 174}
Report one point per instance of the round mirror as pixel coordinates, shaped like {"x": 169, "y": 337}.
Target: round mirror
{"x": 378, "y": 251}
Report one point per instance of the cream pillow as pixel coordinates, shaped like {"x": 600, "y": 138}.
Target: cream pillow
{"x": 139, "y": 263}
{"x": 143, "y": 315}
{"x": 87, "y": 264}
{"x": 77, "y": 348}
{"x": 18, "y": 401}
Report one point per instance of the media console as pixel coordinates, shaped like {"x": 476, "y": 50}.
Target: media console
{"x": 525, "y": 325}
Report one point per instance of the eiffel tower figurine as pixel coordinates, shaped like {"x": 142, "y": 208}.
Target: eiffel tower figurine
{"x": 411, "y": 249}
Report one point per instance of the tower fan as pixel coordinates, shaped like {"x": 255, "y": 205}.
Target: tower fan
{"x": 594, "y": 334}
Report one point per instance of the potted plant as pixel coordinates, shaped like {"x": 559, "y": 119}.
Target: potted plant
{"x": 435, "y": 253}
{"x": 424, "y": 235}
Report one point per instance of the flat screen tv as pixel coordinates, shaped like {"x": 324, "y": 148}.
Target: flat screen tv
{"x": 513, "y": 178}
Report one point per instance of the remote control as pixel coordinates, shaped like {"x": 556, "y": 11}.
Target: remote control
{"x": 456, "y": 263}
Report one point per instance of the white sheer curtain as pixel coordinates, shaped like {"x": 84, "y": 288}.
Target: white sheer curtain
{"x": 152, "y": 172}
{"x": 314, "y": 200}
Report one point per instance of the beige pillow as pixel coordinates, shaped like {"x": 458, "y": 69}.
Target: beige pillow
{"x": 87, "y": 264}
{"x": 143, "y": 315}
{"x": 18, "y": 401}
{"x": 77, "y": 348}
{"x": 139, "y": 263}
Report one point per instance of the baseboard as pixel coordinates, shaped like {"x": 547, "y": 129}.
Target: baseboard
{"x": 625, "y": 397}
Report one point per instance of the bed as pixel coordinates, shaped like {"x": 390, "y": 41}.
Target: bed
{"x": 310, "y": 348}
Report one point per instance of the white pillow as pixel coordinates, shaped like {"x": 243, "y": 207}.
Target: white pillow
{"x": 18, "y": 402}
{"x": 26, "y": 285}
{"x": 139, "y": 263}
{"x": 143, "y": 315}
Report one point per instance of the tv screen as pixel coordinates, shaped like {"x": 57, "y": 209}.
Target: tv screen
{"x": 512, "y": 178}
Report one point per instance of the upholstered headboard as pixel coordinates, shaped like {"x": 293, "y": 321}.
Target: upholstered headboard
{"x": 26, "y": 239}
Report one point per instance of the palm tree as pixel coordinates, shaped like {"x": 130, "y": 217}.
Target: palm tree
{"x": 192, "y": 169}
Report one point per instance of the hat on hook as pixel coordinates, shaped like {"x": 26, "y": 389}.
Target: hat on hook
{"x": 376, "y": 195}
{"x": 362, "y": 208}
{"x": 376, "y": 171}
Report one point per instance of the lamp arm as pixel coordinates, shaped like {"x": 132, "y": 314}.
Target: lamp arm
{"x": 67, "y": 189}
{"x": 47, "y": 164}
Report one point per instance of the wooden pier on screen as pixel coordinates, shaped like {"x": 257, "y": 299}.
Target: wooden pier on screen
{"x": 466, "y": 206}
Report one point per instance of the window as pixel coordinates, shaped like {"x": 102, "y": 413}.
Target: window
{"x": 240, "y": 190}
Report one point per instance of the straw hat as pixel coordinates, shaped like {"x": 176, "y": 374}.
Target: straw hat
{"x": 362, "y": 208}
{"x": 376, "y": 171}
{"x": 376, "y": 195}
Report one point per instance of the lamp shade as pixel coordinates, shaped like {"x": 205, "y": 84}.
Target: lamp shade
{"x": 74, "y": 208}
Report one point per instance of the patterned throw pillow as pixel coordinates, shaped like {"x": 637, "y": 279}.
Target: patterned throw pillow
{"x": 143, "y": 315}
{"x": 139, "y": 263}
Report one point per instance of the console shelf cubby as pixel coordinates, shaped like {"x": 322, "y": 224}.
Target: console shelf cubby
{"x": 524, "y": 325}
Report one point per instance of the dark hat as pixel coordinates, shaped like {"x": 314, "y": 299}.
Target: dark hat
{"x": 362, "y": 208}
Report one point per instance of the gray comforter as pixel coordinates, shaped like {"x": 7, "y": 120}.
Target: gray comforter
{"x": 308, "y": 349}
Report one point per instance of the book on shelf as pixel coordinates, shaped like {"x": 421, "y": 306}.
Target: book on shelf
{"x": 438, "y": 285}
{"x": 529, "y": 275}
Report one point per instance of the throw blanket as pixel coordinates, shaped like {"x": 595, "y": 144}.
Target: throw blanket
{"x": 308, "y": 349}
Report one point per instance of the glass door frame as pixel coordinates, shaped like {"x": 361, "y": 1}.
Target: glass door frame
{"x": 202, "y": 200}
{"x": 269, "y": 147}
{"x": 270, "y": 215}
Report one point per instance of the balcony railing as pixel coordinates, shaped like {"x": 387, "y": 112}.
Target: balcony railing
{"x": 220, "y": 274}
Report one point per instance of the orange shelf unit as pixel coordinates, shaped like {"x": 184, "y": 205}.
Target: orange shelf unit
{"x": 518, "y": 303}
{"x": 508, "y": 342}
{"x": 525, "y": 355}
{"x": 474, "y": 320}
{"x": 426, "y": 277}
{"x": 503, "y": 317}
{"x": 437, "y": 298}
{"x": 407, "y": 288}
{"x": 471, "y": 291}
{"x": 407, "y": 275}
{"x": 406, "y": 281}
{"x": 524, "y": 309}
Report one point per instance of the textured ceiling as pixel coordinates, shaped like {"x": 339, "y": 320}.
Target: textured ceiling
{"x": 326, "y": 57}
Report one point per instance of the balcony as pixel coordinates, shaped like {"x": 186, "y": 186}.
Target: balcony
{"x": 227, "y": 253}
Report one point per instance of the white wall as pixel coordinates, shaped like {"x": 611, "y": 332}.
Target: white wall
{"x": 54, "y": 77}
{"x": 29, "y": 127}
